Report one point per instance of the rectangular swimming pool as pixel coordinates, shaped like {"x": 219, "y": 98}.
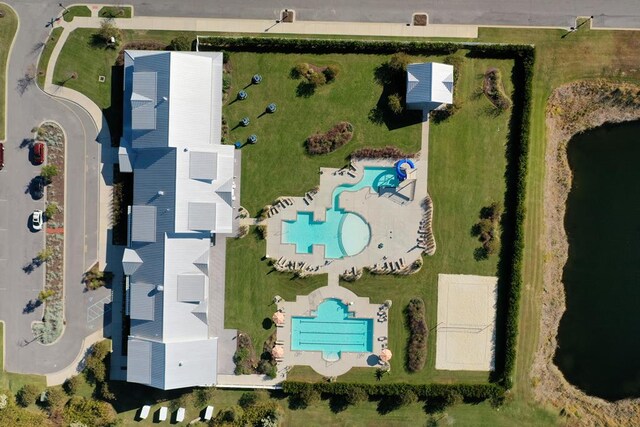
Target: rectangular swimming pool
{"x": 332, "y": 331}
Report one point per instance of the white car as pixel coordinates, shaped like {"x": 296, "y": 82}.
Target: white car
{"x": 36, "y": 219}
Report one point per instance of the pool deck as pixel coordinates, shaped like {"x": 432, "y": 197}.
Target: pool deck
{"x": 304, "y": 305}
{"x": 394, "y": 219}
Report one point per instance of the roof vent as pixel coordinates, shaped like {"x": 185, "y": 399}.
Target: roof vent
{"x": 159, "y": 288}
{"x": 160, "y": 193}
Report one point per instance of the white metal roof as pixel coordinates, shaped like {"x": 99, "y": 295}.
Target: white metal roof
{"x": 429, "y": 82}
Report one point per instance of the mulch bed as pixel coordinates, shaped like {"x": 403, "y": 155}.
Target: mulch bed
{"x": 420, "y": 19}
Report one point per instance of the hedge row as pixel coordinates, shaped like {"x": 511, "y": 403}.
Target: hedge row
{"x": 469, "y": 392}
{"x": 286, "y": 45}
{"x": 524, "y": 57}
{"x": 418, "y": 332}
{"x": 380, "y": 153}
{"x": 522, "y": 115}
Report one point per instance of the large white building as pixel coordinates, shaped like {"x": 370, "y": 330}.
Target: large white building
{"x": 183, "y": 199}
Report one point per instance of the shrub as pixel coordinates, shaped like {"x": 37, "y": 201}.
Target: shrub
{"x": 248, "y": 399}
{"x": 356, "y": 396}
{"x": 407, "y": 398}
{"x": 418, "y": 332}
{"x": 245, "y": 355}
{"x": 203, "y": 396}
{"x": 488, "y": 231}
{"x": 494, "y": 89}
{"x": 89, "y": 412}
{"x": 181, "y": 43}
{"x": 72, "y": 384}
{"x": 398, "y": 62}
{"x": 51, "y": 210}
{"x": 331, "y": 72}
{"x": 95, "y": 364}
{"x": 243, "y": 230}
{"x": 95, "y": 279}
{"x": 27, "y": 395}
{"x": 55, "y": 398}
{"x": 140, "y": 45}
{"x": 443, "y": 114}
{"x": 335, "y": 138}
{"x": 262, "y": 231}
{"x": 316, "y": 79}
{"x": 395, "y": 103}
{"x": 380, "y": 153}
{"x": 231, "y": 415}
{"x": 45, "y": 294}
{"x": 48, "y": 172}
{"x": 307, "y": 397}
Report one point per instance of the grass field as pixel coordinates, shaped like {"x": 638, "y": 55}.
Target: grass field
{"x": 73, "y": 11}
{"x": 467, "y": 164}
{"x": 14, "y": 382}
{"x": 8, "y": 28}
{"x": 114, "y": 12}
{"x": 43, "y": 63}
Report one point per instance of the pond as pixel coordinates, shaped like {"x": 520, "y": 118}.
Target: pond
{"x": 599, "y": 334}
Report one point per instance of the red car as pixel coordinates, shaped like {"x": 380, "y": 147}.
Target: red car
{"x": 1, "y": 155}
{"x": 38, "y": 153}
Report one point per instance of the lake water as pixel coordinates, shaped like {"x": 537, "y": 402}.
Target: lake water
{"x": 599, "y": 335}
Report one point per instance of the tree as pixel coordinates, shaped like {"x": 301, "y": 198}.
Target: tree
{"x": 248, "y": 399}
{"x": 331, "y": 72}
{"x": 395, "y": 103}
{"x": 407, "y": 398}
{"x": 204, "y": 396}
{"x": 51, "y": 209}
{"x": 55, "y": 398}
{"x": 45, "y": 255}
{"x": 89, "y": 411}
{"x": 308, "y": 396}
{"x": 48, "y": 172}
{"x": 109, "y": 32}
{"x": 399, "y": 61}
{"x": 72, "y": 384}
{"x": 357, "y": 395}
{"x": 27, "y": 395}
{"x": 181, "y": 43}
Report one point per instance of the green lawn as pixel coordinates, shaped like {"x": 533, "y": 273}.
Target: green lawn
{"x": 14, "y": 382}
{"x": 466, "y": 169}
{"x": 73, "y": 11}
{"x": 43, "y": 63}
{"x": 115, "y": 12}
{"x": 278, "y": 164}
{"x": 8, "y": 28}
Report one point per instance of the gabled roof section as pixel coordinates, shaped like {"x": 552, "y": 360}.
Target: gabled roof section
{"x": 131, "y": 261}
{"x": 202, "y": 263}
{"x": 143, "y": 224}
{"x": 429, "y": 84}
{"x": 203, "y": 165}
{"x": 191, "y": 287}
{"x": 202, "y": 216}
{"x": 143, "y": 301}
{"x": 143, "y": 100}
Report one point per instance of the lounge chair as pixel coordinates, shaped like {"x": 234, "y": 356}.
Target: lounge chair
{"x": 208, "y": 413}
{"x": 144, "y": 412}
{"x": 163, "y": 414}
{"x": 180, "y": 415}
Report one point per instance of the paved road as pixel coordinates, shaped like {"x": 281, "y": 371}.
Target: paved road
{"x": 612, "y": 14}
{"x": 27, "y": 107}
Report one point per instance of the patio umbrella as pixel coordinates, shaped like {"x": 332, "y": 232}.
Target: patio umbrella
{"x": 385, "y": 355}
{"x": 277, "y": 351}
{"x": 278, "y": 318}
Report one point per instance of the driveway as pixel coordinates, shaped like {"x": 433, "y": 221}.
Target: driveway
{"x": 27, "y": 107}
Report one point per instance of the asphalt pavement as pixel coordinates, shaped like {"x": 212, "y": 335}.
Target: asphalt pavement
{"x": 548, "y": 13}
{"x": 28, "y": 106}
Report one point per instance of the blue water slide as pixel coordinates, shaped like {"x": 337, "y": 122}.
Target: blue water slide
{"x": 402, "y": 175}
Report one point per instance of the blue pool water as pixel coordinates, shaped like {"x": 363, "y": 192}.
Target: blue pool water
{"x": 342, "y": 233}
{"x": 332, "y": 331}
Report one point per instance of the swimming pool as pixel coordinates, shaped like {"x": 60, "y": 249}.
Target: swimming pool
{"x": 332, "y": 331}
{"x": 342, "y": 233}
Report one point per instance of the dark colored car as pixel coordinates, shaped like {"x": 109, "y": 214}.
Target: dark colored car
{"x": 38, "y": 153}
{"x": 37, "y": 188}
{"x": 1, "y": 155}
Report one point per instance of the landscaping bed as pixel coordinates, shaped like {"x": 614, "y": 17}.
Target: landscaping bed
{"x": 51, "y": 328}
{"x": 8, "y": 28}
